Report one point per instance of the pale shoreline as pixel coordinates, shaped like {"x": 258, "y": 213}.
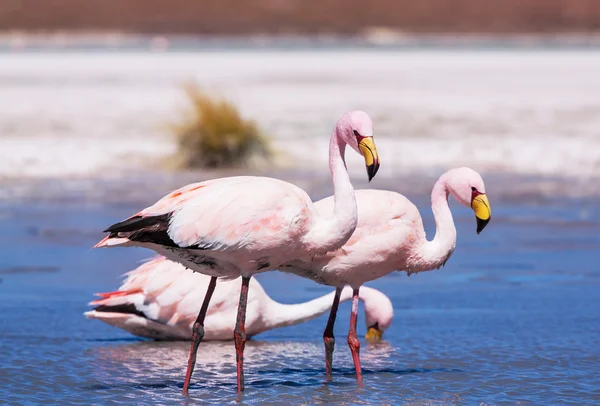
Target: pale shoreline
{"x": 370, "y": 38}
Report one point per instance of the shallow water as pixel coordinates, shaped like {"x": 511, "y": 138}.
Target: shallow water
{"x": 513, "y": 318}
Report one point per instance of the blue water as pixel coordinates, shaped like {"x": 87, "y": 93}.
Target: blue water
{"x": 513, "y": 318}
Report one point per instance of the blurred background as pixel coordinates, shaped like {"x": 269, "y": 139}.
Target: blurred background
{"x": 105, "y": 106}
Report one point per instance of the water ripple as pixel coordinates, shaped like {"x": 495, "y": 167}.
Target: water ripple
{"x": 507, "y": 321}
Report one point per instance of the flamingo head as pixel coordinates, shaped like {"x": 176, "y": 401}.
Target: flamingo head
{"x": 356, "y": 129}
{"x": 467, "y": 186}
{"x": 379, "y": 313}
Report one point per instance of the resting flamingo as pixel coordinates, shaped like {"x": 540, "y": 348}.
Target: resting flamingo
{"x": 158, "y": 300}
{"x": 390, "y": 237}
{"x": 239, "y": 226}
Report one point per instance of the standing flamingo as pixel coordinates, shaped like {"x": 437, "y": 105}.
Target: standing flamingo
{"x": 389, "y": 237}
{"x": 240, "y": 226}
{"x": 158, "y": 300}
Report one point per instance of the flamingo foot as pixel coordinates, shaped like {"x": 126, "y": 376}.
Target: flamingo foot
{"x": 354, "y": 344}
{"x": 329, "y": 346}
{"x": 240, "y": 344}
{"x": 239, "y": 334}
{"x": 197, "y": 336}
{"x": 353, "y": 341}
{"x": 328, "y": 338}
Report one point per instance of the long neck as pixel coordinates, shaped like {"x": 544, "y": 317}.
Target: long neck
{"x": 331, "y": 231}
{"x": 433, "y": 254}
{"x": 280, "y": 315}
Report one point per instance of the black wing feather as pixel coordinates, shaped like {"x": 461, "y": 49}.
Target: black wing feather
{"x": 151, "y": 229}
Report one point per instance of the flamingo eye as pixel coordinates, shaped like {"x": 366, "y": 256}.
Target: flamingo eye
{"x": 474, "y": 192}
{"x": 356, "y": 134}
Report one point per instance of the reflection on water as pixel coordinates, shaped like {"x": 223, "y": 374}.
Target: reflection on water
{"x": 216, "y": 360}
{"x": 272, "y": 366}
{"x": 148, "y": 360}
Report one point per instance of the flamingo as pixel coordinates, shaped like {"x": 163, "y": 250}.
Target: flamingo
{"x": 389, "y": 237}
{"x": 239, "y": 226}
{"x": 158, "y": 300}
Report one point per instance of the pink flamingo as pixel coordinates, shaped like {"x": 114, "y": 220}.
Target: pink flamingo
{"x": 158, "y": 300}
{"x": 240, "y": 226}
{"x": 390, "y": 237}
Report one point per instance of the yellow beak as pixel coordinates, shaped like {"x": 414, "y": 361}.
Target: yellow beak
{"x": 373, "y": 335}
{"x": 369, "y": 152}
{"x": 483, "y": 211}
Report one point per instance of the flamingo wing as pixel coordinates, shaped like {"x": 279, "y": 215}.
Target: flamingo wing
{"x": 227, "y": 214}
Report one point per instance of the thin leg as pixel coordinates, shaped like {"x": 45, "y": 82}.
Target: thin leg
{"x": 198, "y": 333}
{"x": 328, "y": 338}
{"x": 352, "y": 339}
{"x": 239, "y": 333}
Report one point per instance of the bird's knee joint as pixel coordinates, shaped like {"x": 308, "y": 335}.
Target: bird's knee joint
{"x": 198, "y": 331}
{"x": 329, "y": 341}
{"x": 353, "y": 342}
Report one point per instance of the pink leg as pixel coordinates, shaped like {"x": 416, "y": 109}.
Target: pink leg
{"x": 328, "y": 338}
{"x": 352, "y": 339}
{"x": 239, "y": 333}
{"x": 198, "y": 334}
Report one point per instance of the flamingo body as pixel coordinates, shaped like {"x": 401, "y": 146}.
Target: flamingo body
{"x": 203, "y": 226}
{"x": 390, "y": 235}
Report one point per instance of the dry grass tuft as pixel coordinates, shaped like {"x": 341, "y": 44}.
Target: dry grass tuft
{"x": 213, "y": 134}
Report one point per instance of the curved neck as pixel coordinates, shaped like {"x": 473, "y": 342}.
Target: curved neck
{"x": 378, "y": 307}
{"x": 435, "y": 253}
{"x": 276, "y": 314}
{"x": 332, "y": 230}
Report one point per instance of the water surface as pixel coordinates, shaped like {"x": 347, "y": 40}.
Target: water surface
{"x": 513, "y": 318}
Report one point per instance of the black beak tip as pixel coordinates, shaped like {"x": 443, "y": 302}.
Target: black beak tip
{"x": 372, "y": 170}
{"x": 481, "y": 224}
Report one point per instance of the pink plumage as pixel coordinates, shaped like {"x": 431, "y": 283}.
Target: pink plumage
{"x": 390, "y": 235}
